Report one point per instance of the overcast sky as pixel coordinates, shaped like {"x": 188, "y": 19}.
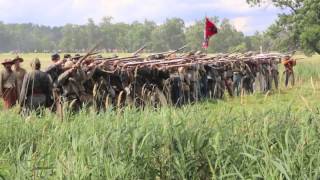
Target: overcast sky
{"x": 59, "y": 12}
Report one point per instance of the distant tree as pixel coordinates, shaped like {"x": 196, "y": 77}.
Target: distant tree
{"x": 299, "y": 27}
{"x": 169, "y": 35}
{"x": 172, "y": 34}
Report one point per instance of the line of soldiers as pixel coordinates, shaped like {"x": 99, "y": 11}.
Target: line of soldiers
{"x": 156, "y": 80}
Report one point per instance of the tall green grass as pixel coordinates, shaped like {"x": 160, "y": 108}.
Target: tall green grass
{"x": 259, "y": 136}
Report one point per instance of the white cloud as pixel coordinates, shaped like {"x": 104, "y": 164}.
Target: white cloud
{"x": 242, "y": 23}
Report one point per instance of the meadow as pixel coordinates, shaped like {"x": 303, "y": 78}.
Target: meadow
{"x": 259, "y": 136}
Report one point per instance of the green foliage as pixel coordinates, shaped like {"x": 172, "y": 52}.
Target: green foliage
{"x": 299, "y": 28}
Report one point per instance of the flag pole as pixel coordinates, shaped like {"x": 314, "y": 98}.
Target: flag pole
{"x": 204, "y": 25}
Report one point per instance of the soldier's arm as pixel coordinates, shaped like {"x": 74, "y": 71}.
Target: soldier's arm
{"x": 64, "y": 76}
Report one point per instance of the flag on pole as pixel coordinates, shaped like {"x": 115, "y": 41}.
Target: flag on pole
{"x": 209, "y": 30}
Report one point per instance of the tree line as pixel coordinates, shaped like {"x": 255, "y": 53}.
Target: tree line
{"x": 298, "y": 27}
{"x": 124, "y": 37}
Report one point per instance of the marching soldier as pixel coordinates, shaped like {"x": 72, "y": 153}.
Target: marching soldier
{"x": 36, "y": 91}
{"x": 8, "y": 85}
{"x": 19, "y": 72}
{"x": 289, "y": 63}
{"x": 71, "y": 81}
{"x": 55, "y": 69}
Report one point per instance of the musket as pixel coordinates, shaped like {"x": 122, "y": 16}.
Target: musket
{"x": 177, "y": 50}
{"x": 181, "y": 65}
{"x": 168, "y": 53}
{"x": 88, "y": 53}
{"x": 139, "y": 50}
{"x": 77, "y": 57}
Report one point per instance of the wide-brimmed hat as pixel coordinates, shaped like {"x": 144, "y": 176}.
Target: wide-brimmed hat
{"x": 19, "y": 59}
{"x": 7, "y": 61}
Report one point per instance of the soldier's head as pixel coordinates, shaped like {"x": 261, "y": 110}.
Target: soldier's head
{"x": 287, "y": 57}
{"x": 55, "y": 57}
{"x": 66, "y": 56}
{"x": 7, "y": 63}
{"x": 35, "y": 64}
{"x": 17, "y": 61}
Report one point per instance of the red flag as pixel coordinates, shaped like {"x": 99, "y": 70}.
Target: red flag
{"x": 210, "y": 30}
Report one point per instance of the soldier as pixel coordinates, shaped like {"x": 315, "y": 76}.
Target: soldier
{"x": 19, "y": 72}
{"x": 8, "y": 85}
{"x": 71, "y": 81}
{"x": 36, "y": 89}
{"x": 289, "y": 73}
{"x": 247, "y": 79}
{"x": 237, "y": 76}
{"x": 55, "y": 69}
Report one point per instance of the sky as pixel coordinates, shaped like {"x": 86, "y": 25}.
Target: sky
{"x": 59, "y": 12}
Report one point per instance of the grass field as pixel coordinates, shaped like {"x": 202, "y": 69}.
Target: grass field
{"x": 273, "y": 136}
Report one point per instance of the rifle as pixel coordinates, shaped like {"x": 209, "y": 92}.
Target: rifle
{"x": 88, "y": 53}
{"x": 78, "y": 57}
{"x": 168, "y": 53}
{"x": 177, "y": 50}
{"x": 139, "y": 50}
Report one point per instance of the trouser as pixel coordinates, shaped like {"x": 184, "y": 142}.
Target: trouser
{"x": 247, "y": 83}
{"x": 268, "y": 82}
{"x": 228, "y": 86}
{"x": 237, "y": 84}
{"x": 204, "y": 87}
{"x": 289, "y": 75}
{"x": 9, "y": 97}
{"x": 175, "y": 91}
{"x": 262, "y": 82}
{"x": 275, "y": 78}
{"x": 218, "y": 88}
{"x": 211, "y": 86}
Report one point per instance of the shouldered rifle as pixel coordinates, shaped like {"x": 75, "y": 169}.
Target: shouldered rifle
{"x": 88, "y": 54}
{"x": 139, "y": 50}
{"x": 177, "y": 50}
{"x": 78, "y": 57}
{"x": 168, "y": 53}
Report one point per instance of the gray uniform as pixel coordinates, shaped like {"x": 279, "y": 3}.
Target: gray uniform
{"x": 36, "y": 90}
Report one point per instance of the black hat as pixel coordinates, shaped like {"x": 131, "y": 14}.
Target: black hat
{"x": 66, "y": 56}
{"x": 19, "y": 59}
{"x": 55, "y": 56}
